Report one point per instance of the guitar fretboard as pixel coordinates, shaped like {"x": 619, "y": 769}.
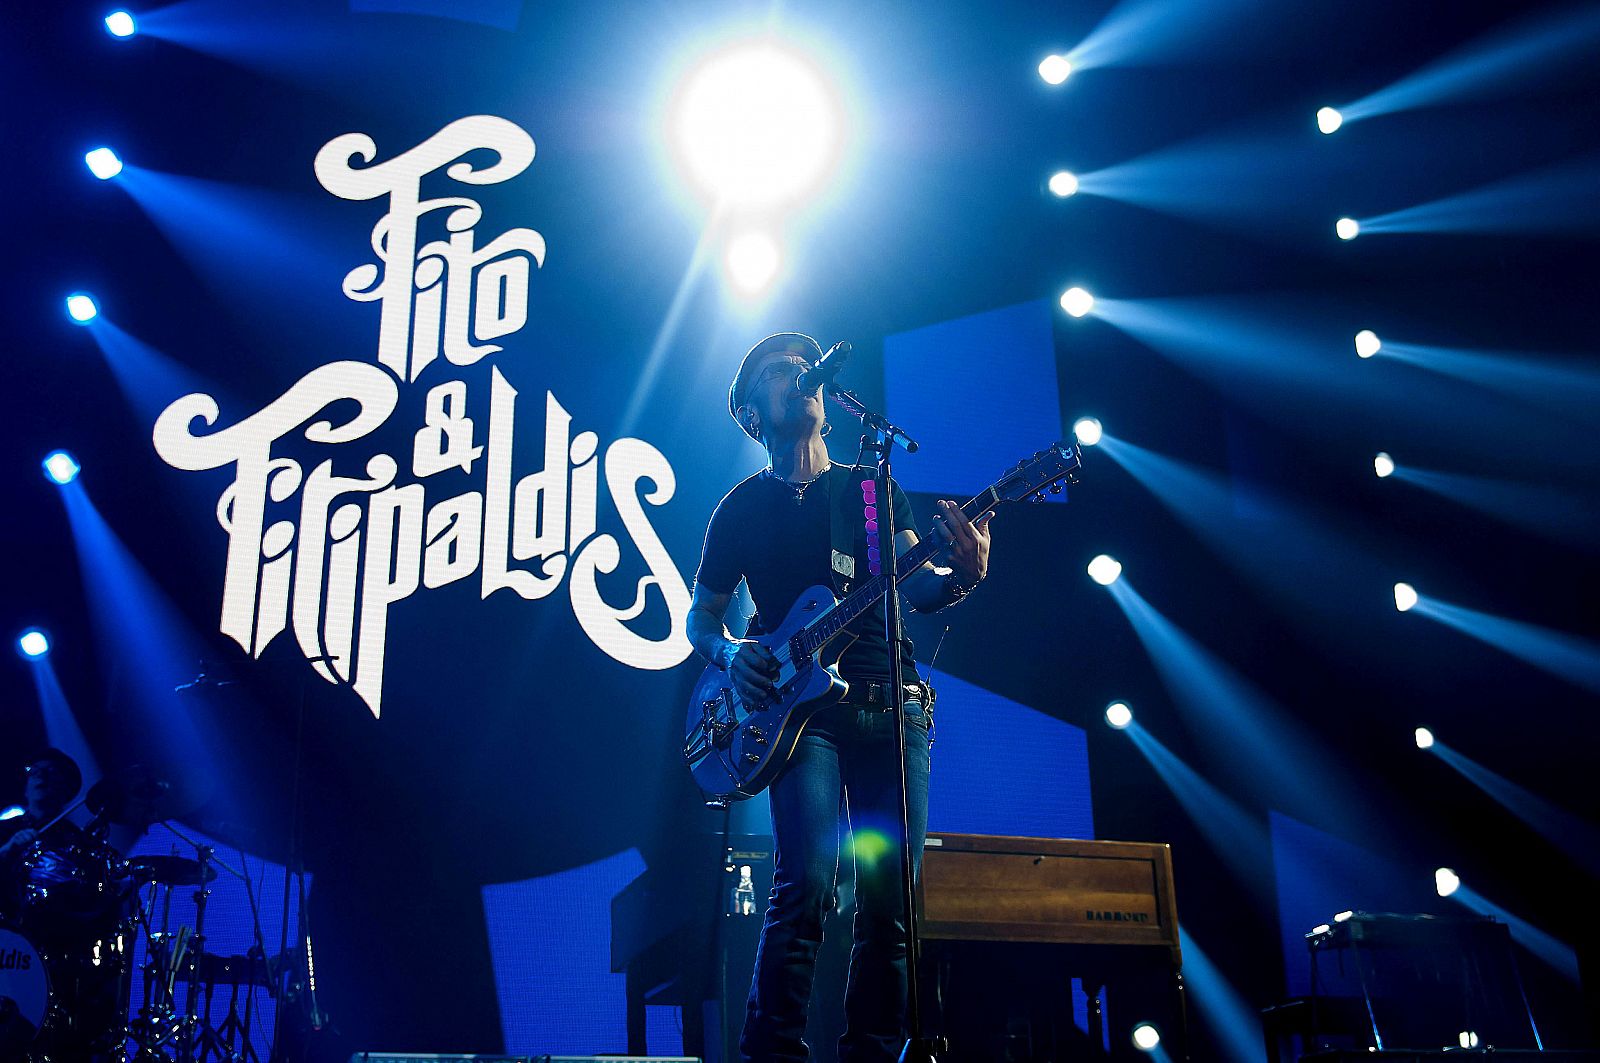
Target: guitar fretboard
{"x": 816, "y": 634}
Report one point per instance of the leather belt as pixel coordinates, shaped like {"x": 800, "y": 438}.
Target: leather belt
{"x": 873, "y": 695}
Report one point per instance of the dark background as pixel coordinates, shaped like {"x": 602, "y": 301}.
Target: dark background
{"x": 511, "y": 747}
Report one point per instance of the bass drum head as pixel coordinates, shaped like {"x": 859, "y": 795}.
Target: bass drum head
{"x": 24, "y": 993}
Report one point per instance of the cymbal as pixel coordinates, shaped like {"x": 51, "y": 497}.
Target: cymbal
{"x": 169, "y": 870}
{"x": 135, "y": 797}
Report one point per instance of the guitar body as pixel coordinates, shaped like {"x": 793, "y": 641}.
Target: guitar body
{"x": 734, "y": 748}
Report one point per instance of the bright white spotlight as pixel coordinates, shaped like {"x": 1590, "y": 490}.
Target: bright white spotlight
{"x": 81, "y": 307}
{"x": 1146, "y": 1038}
{"x": 1329, "y": 120}
{"x": 1087, "y": 429}
{"x": 1367, "y": 343}
{"x": 1446, "y": 881}
{"x": 1054, "y": 69}
{"x": 1383, "y": 465}
{"x": 103, "y": 163}
{"x": 1424, "y": 738}
{"x": 1405, "y": 596}
{"x": 1344, "y": 917}
{"x": 1321, "y": 928}
{"x": 1467, "y": 1039}
{"x": 1347, "y": 228}
{"x": 120, "y": 24}
{"x": 756, "y": 125}
{"x": 60, "y": 467}
{"x": 1118, "y": 714}
{"x": 1077, "y": 302}
{"x": 33, "y": 643}
{"x": 753, "y": 260}
{"x": 12, "y": 813}
{"x": 1105, "y": 569}
{"x": 1063, "y": 183}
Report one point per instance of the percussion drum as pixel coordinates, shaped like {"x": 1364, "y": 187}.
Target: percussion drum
{"x": 24, "y": 994}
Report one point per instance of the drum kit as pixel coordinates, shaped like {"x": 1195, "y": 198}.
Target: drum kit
{"x": 71, "y": 919}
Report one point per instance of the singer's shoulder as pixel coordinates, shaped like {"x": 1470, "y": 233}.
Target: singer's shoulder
{"x": 742, "y": 492}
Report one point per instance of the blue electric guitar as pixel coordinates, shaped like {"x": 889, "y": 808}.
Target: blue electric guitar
{"x": 735, "y": 748}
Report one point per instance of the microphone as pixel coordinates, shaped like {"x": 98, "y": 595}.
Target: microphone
{"x": 825, "y": 369}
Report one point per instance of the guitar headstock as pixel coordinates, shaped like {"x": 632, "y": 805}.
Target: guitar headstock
{"x": 1044, "y": 473}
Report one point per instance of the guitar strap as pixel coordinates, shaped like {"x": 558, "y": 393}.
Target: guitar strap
{"x": 847, "y": 514}
{"x": 842, "y": 538}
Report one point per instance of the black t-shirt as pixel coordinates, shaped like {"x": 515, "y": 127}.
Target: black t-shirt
{"x": 759, "y": 534}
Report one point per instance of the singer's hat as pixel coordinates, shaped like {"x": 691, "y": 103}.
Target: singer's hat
{"x": 787, "y": 342}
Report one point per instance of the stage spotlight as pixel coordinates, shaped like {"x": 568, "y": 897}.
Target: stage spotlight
{"x": 1087, "y": 429}
{"x": 1405, "y": 596}
{"x": 12, "y": 813}
{"x": 1054, "y": 69}
{"x": 1329, "y": 120}
{"x": 1424, "y": 738}
{"x": 1446, "y": 881}
{"x": 103, "y": 163}
{"x": 1146, "y": 1038}
{"x": 1367, "y": 343}
{"x": 60, "y": 467}
{"x": 1344, "y": 917}
{"x": 753, "y": 259}
{"x": 1383, "y": 465}
{"x": 1347, "y": 228}
{"x": 1467, "y": 1039}
{"x": 756, "y": 125}
{"x": 1105, "y": 569}
{"x": 33, "y": 643}
{"x": 1118, "y": 714}
{"x": 81, "y": 308}
{"x": 120, "y": 24}
{"x": 1077, "y": 302}
{"x": 1063, "y": 183}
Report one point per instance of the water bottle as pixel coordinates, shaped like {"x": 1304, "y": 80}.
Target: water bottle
{"x": 744, "y": 894}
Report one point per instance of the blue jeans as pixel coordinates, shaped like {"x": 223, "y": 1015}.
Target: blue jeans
{"x": 843, "y": 766}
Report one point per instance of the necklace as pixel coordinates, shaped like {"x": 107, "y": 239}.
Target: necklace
{"x": 799, "y": 488}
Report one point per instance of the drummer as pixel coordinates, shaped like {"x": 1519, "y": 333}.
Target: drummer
{"x": 53, "y": 781}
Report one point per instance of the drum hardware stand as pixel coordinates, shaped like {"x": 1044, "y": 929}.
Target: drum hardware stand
{"x": 294, "y": 871}
{"x": 879, "y": 438}
{"x": 280, "y": 985}
{"x": 219, "y": 1040}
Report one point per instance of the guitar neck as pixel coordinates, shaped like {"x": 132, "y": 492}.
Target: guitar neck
{"x": 863, "y": 598}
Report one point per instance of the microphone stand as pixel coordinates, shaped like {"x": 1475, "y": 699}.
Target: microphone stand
{"x": 879, "y": 437}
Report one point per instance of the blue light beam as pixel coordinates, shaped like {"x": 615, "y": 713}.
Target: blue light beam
{"x": 60, "y": 722}
{"x": 1515, "y": 56}
{"x": 1564, "y": 516}
{"x": 149, "y": 380}
{"x": 145, "y": 640}
{"x": 1237, "y": 837}
{"x": 1218, "y": 1003}
{"x": 1569, "y": 657}
{"x": 1237, "y": 722}
{"x": 1541, "y": 379}
{"x": 1143, "y": 32}
{"x": 1556, "y": 199}
{"x": 1550, "y": 950}
{"x": 1577, "y": 838}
